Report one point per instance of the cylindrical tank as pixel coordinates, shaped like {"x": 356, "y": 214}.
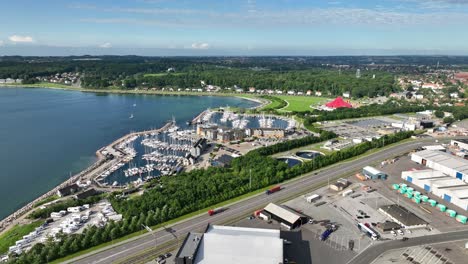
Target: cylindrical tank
{"x": 432, "y": 202}
{"x": 424, "y": 198}
{"x": 462, "y": 219}
{"x": 442, "y": 207}
{"x": 451, "y": 213}
{"x": 396, "y": 186}
{"x": 409, "y": 195}
{"x": 417, "y": 199}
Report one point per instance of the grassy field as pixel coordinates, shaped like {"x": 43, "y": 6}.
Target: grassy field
{"x": 300, "y": 103}
{"x": 16, "y": 233}
{"x": 161, "y": 74}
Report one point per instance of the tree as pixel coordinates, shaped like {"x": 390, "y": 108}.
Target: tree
{"x": 439, "y": 114}
{"x": 449, "y": 120}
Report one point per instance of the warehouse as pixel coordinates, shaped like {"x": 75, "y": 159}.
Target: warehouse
{"x": 285, "y": 216}
{"x": 444, "y": 162}
{"x": 450, "y": 189}
{"x": 402, "y": 216}
{"x": 231, "y": 245}
{"x": 373, "y": 173}
{"x": 460, "y": 143}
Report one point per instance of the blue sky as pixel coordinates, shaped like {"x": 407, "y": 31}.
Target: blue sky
{"x": 244, "y": 27}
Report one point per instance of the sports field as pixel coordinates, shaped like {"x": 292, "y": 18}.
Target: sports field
{"x": 301, "y": 103}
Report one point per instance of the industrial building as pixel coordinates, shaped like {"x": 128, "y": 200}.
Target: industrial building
{"x": 448, "y": 164}
{"x": 231, "y": 245}
{"x": 287, "y": 217}
{"x": 402, "y": 216}
{"x": 460, "y": 143}
{"x": 450, "y": 189}
{"x": 373, "y": 173}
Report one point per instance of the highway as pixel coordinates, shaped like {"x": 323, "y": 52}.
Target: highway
{"x": 291, "y": 189}
{"x": 370, "y": 254}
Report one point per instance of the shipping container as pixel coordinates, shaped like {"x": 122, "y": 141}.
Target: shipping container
{"x": 313, "y": 198}
{"x": 361, "y": 177}
{"x": 272, "y": 190}
{"x": 451, "y": 213}
{"x": 441, "y": 207}
{"x": 461, "y": 218}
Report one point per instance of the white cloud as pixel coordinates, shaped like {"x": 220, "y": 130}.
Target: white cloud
{"x": 21, "y": 39}
{"x": 198, "y": 45}
{"x": 106, "y": 45}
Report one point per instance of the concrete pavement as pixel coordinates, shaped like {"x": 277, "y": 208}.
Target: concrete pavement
{"x": 370, "y": 254}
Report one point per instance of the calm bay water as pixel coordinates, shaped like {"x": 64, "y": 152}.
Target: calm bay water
{"x": 47, "y": 134}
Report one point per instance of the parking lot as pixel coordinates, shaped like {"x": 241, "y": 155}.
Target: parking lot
{"x": 444, "y": 253}
{"x": 348, "y": 131}
{"x": 73, "y": 221}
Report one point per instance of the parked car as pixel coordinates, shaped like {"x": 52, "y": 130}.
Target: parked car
{"x": 167, "y": 255}
{"x": 393, "y": 233}
{"x": 400, "y": 232}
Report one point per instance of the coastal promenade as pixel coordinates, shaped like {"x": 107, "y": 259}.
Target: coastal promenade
{"x": 90, "y": 173}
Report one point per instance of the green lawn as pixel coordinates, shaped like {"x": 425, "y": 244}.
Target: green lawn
{"x": 161, "y": 74}
{"x": 300, "y": 103}
{"x": 16, "y": 233}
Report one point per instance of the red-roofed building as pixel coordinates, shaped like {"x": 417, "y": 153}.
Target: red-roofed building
{"x": 338, "y": 103}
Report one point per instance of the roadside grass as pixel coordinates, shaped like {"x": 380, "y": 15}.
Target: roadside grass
{"x": 16, "y": 233}
{"x": 300, "y": 103}
{"x": 46, "y": 200}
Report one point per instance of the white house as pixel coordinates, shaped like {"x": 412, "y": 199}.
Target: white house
{"x": 346, "y": 95}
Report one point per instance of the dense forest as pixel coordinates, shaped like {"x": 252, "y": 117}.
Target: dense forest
{"x": 331, "y": 75}
{"x": 175, "y": 196}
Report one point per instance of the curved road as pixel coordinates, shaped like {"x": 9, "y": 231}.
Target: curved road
{"x": 292, "y": 188}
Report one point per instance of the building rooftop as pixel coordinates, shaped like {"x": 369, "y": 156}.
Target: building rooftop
{"x": 445, "y": 159}
{"x": 190, "y": 245}
{"x": 372, "y": 170}
{"x": 233, "y": 245}
{"x": 283, "y": 212}
{"x": 403, "y": 215}
{"x": 463, "y": 140}
{"x": 448, "y": 183}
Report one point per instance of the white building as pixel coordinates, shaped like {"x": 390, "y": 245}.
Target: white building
{"x": 460, "y": 143}
{"x": 446, "y": 163}
{"x": 232, "y": 245}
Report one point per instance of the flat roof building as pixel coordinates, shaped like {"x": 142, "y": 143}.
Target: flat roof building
{"x": 373, "y": 173}
{"x": 286, "y": 216}
{"x": 232, "y": 245}
{"x": 402, "y": 216}
{"x": 460, "y": 143}
{"x": 451, "y": 165}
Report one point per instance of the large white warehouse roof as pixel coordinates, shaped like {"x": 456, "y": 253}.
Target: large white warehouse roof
{"x": 233, "y": 245}
{"x": 446, "y": 159}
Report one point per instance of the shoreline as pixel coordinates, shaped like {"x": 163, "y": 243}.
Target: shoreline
{"x": 10, "y": 219}
{"x": 249, "y": 97}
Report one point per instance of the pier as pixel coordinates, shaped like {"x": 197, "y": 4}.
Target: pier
{"x": 89, "y": 173}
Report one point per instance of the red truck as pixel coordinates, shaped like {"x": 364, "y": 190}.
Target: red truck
{"x": 272, "y": 190}
{"x": 215, "y": 211}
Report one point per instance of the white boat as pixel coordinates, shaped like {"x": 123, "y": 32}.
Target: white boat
{"x": 131, "y": 116}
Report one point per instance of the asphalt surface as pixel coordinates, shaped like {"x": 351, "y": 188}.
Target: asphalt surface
{"x": 370, "y": 254}
{"x": 294, "y": 187}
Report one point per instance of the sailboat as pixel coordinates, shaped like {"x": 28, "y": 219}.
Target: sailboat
{"x": 134, "y": 105}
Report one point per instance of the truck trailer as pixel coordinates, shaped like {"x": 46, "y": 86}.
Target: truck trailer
{"x": 273, "y": 190}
